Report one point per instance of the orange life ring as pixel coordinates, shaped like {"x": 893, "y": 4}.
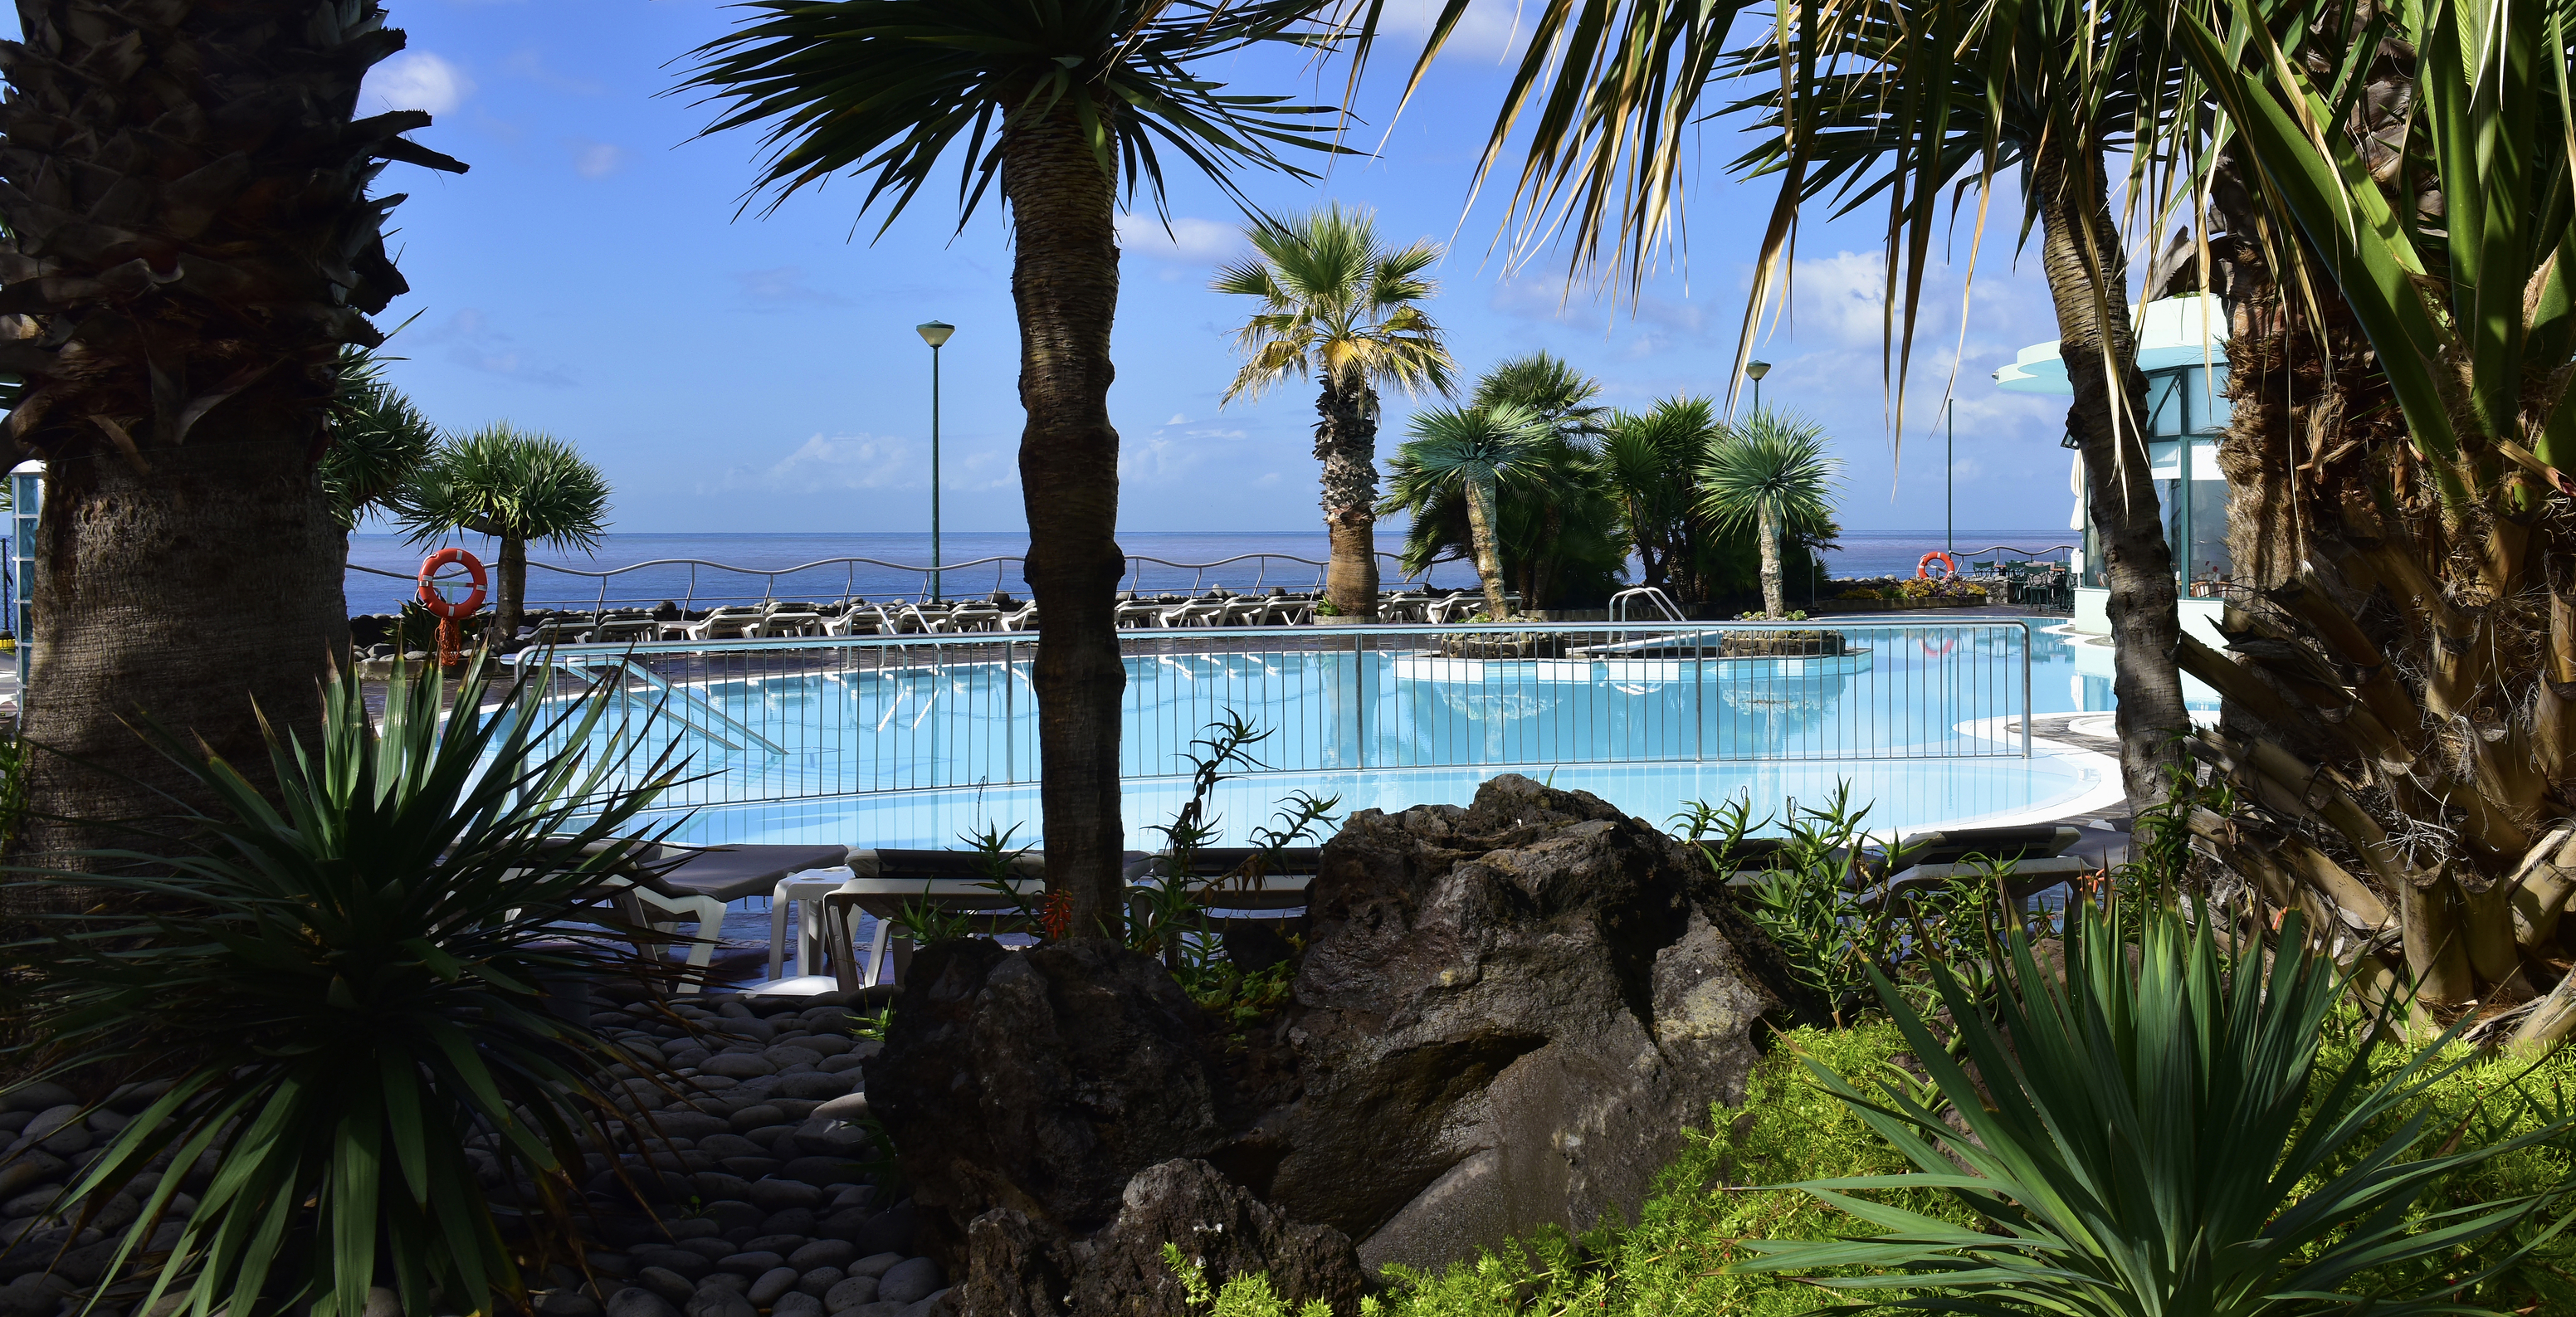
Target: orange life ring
{"x": 1923, "y": 569}
{"x": 1947, "y": 645}
{"x": 437, "y": 604}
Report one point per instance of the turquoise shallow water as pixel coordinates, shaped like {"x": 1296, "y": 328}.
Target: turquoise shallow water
{"x": 1903, "y": 796}
{"x": 912, "y": 758}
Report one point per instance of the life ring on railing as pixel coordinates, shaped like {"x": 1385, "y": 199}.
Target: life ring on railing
{"x": 1949, "y": 565}
{"x": 439, "y": 605}
{"x": 1948, "y": 644}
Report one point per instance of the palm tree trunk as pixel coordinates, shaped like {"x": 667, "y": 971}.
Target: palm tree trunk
{"x": 1767, "y": 529}
{"x": 510, "y": 595}
{"x": 203, "y": 594}
{"x": 2088, "y": 279}
{"x": 1346, "y": 440}
{"x": 1489, "y": 559}
{"x": 1064, "y": 283}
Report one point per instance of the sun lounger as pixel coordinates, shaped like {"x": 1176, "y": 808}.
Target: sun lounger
{"x": 790, "y": 623}
{"x": 1025, "y": 619}
{"x": 859, "y": 620}
{"x": 1139, "y": 613}
{"x": 618, "y": 630}
{"x": 884, "y": 882}
{"x": 562, "y": 631}
{"x": 729, "y": 620}
{"x": 698, "y": 882}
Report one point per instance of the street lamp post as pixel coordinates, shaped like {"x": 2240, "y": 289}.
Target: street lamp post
{"x": 1755, "y": 370}
{"x": 934, "y": 333}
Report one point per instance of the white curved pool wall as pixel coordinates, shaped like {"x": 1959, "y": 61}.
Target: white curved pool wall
{"x": 874, "y": 742}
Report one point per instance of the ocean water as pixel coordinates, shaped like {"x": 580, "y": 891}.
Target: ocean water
{"x": 753, "y": 567}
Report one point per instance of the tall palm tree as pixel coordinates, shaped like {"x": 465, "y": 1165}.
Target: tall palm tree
{"x": 191, "y": 241}
{"x": 1771, "y": 473}
{"x": 1569, "y": 401}
{"x": 1063, "y": 102}
{"x": 515, "y": 486}
{"x": 1337, "y": 304}
{"x": 1896, "y": 102}
{"x": 1473, "y": 451}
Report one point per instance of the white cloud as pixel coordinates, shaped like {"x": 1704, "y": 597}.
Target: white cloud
{"x": 416, "y": 80}
{"x": 1198, "y": 241}
{"x": 1490, "y": 28}
{"x": 474, "y": 342}
{"x": 596, "y": 159}
{"x": 784, "y": 284}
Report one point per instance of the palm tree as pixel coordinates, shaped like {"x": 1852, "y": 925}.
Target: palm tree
{"x": 1545, "y": 383}
{"x": 1770, "y": 472}
{"x": 515, "y": 486}
{"x": 1338, "y": 305}
{"x": 1897, "y": 103}
{"x": 1061, "y": 101}
{"x": 190, "y": 244}
{"x": 2417, "y": 657}
{"x": 379, "y": 438}
{"x": 1651, "y": 462}
{"x": 1472, "y": 451}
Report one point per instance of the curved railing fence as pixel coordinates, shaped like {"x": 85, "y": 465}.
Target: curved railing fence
{"x": 695, "y": 583}
{"x": 787, "y": 719}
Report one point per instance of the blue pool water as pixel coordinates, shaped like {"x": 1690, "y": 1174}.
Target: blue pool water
{"x": 914, "y": 755}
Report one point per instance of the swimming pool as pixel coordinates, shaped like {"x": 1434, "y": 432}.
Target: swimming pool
{"x": 913, "y": 743}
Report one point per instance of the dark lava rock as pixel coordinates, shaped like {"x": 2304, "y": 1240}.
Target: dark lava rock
{"x": 1039, "y": 1080}
{"x": 1505, "y": 1018}
{"x": 1223, "y": 1228}
{"x": 1509, "y": 1015}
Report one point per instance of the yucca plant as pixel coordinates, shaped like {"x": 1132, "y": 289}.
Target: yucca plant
{"x": 344, "y": 982}
{"x": 2145, "y": 1137}
{"x": 1770, "y": 472}
{"x": 514, "y": 485}
{"x": 1472, "y": 454}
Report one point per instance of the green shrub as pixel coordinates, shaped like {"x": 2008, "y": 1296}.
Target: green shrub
{"x": 2152, "y": 1133}
{"x": 343, "y": 984}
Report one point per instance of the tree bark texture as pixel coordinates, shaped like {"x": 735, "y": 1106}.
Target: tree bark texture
{"x": 2088, "y": 279}
{"x": 1064, "y": 283}
{"x": 509, "y": 589}
{"x": 1774, "y": 593}
{"x": 190, "y": 594}
{"x": 1346, "y": 441}
{"x": 190, "y": 242}
{"x": 1481, "y": 519}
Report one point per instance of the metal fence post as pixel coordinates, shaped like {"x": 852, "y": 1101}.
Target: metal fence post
{"x": 1011, "y": 711}
{"x": 2028, "y": 642}
{"x": 1699, "y": 697}
{"x": 1359, "y": 702}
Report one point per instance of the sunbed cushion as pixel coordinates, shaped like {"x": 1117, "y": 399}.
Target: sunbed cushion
{"x": 730, "y": 873}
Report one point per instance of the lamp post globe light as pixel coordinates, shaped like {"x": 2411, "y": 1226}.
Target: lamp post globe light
{"x": 934, "y": 333}
{"x": 1754, "y": 371}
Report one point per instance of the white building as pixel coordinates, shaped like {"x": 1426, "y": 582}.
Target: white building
{"x": 2181, "y": 349}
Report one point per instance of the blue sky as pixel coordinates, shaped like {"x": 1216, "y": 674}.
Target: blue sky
{"x": 738, "y": 372}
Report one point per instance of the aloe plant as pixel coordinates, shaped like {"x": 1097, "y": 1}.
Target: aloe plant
{"x": 2144, "y": 1137}
{"x": 345, "y": 982}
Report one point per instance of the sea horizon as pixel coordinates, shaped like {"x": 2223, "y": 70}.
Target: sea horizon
{"x": 750, "y": 563}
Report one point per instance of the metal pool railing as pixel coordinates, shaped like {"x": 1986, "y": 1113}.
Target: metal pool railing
{"x": 694, "y": 583}
{"x": 800, "y": 718}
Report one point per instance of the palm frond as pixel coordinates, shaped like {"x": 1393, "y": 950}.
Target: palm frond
{"x": 888, "y": 88}
{"x": 1769, "y": 465}
{"x": 508, "y": 482}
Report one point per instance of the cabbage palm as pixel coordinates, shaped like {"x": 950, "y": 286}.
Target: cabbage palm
{"x": 1062, "y": 102}
{"x": 1337, "y": 304}
{"x": 1472, "y": 451}
{"x": 1896, "y": 101}
{"x": 515, "y": 486}
{"x": 191, "y": 242}
{"x": 1769, "y": 472}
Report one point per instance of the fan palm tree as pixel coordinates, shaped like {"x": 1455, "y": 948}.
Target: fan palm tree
{"x": 1473, "y": 451}
{"x": 515, "y": 486}
{"x": 1062, "y": 102}
{"x": 191, "y": 241}
{"x": 1651, "y": 461}
{"x": 1338, "y": 305}
{"x": 1897, "y": 103}
{"x": 1771, "y": 473}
